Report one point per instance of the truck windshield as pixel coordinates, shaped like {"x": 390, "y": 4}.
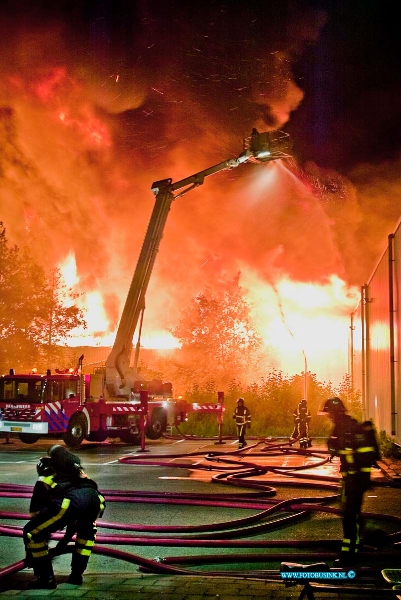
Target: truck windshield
{"x": 22, "y": 390}
{"x": 36, "y": 391}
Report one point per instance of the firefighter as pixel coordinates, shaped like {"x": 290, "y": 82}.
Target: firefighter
{"x": 302, "y": 419}
{"x": 242, "y": 418}
{"x": 356, "y": 445}
{"x": 63, "y": 497}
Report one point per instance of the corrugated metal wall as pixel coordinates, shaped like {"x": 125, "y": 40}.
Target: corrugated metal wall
{"x": 396, "y": 406}
{"x": 375, "y": 346}
{"x": 378, "y": 346}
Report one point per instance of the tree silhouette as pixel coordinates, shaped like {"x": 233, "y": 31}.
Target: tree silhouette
{"x": 35, "y": 315}
{"x": 217, "y": 337}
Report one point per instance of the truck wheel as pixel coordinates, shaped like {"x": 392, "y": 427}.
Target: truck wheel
{"x": 76, "y": 431}
{"x": 157, "y": 425}
{"x": 28, "y": 438}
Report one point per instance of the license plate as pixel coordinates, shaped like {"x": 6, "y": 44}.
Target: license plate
{"x": 16, "y": 428}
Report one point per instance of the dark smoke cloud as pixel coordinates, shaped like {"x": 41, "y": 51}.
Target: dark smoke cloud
{"x": 100, "y": 99}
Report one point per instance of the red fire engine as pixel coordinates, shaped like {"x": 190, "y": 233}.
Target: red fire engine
{"x": 115, "y": 402}
{"x": 35, "y": 405}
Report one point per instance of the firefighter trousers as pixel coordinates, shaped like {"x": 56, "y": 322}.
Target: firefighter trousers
{"x": 353, "y": 489}
{"x": 38, "y": 530}
{"x": 241, "y": 433}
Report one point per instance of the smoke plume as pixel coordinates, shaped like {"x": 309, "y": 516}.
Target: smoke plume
{"x": 96, "y": 104}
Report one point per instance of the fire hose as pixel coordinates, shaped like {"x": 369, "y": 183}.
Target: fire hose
{"x": 219, "y": 535}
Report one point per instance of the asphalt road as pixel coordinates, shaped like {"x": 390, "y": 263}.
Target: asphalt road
{"x": 168, "y": 503}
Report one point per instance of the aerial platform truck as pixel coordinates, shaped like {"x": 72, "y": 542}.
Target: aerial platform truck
{"x": 115, "y": 401}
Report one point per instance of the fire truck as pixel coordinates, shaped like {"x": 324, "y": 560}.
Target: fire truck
{"x": 115, "y": 401}
{"x": 71, "y": 405}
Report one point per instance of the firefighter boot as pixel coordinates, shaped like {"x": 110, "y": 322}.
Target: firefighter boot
{"x": 78, "y": 566}
{"x": 75, "y": 578}
{"x": 44, "y": 575}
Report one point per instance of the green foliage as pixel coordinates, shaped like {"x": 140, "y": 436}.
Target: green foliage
{"x": 272, "y": 401}
{"x": 350, "y": 396}
{"x": 207, "y": 392}
{"x": 386, "y": 445}
{"x": 34, "y": 314}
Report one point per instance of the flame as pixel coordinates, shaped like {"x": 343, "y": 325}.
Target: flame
{"x": 97, "y": 330}
{"x": 91, "y": 302}
{"x": 306, "y": 324}
{"x": 68, "y": 269}
{"x": 160, "y": 340}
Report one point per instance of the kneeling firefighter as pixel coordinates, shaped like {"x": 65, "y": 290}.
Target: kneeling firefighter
{"x": 63, "y": 497}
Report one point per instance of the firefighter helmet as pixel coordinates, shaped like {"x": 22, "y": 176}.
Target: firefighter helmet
{"x": 64, "y": 462}
{"x": 240, "y": 400}
{"x": 332, "y": 406}
{"x": 44, "y": 467}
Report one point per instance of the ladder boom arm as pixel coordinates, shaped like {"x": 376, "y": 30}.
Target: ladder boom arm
{"x": 259, "y": 147}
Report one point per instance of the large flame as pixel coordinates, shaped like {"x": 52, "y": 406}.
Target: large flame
{"x": 306, "y": 324}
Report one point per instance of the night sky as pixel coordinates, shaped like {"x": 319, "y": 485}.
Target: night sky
{"x": 100, "y": 99}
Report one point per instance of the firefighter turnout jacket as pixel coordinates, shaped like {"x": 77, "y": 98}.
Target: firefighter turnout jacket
{"x": 242, "y": 416}
{"x": 57, "y": 503}
{"x": 356, "y": 445}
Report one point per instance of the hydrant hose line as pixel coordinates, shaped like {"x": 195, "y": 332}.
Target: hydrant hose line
{"x": 232, "y": 470}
